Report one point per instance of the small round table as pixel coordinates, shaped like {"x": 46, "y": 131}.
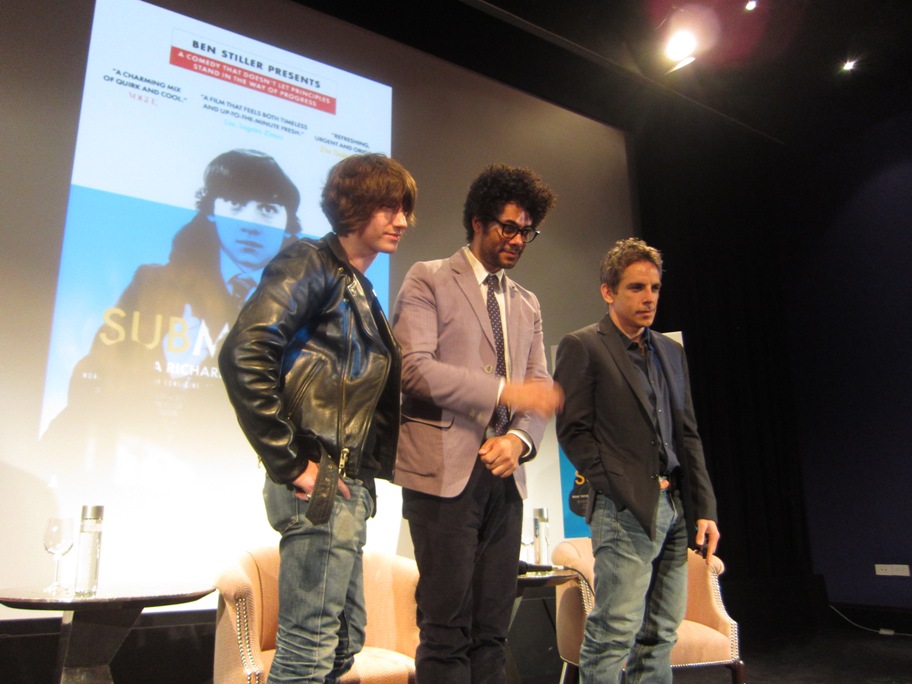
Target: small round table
{"x": 94, "y": 627}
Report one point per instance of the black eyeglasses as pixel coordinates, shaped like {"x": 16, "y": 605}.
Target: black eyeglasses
{"x": 510, "y": 230}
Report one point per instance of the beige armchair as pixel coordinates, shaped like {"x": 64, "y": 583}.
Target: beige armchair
{"x": 708, "y": 636}
{"x": 247, "y": 620}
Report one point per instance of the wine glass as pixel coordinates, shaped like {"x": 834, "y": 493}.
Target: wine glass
{"x": 58, "y": 540}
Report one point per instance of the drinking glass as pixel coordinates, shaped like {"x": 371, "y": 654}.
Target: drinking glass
{"x": 58, "y": 540}
{"x": 527, "y": 541}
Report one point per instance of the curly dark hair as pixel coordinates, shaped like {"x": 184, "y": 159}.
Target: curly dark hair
{"x": 361, "y": 184}
{"x": 624, "y": 253}
{"x": 497, "y": 186}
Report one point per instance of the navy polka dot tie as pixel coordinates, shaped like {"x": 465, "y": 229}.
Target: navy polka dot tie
{"x": 501, "y": 415}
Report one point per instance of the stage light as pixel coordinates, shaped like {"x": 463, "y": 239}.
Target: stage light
{"x": 681, "y": 45}
{"x": 849, "y": 65}
{"x": 751, "y": 5}
{"x": 689, "y": 31}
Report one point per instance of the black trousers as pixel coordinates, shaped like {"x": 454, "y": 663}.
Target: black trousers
{"x": 467, "y": 550}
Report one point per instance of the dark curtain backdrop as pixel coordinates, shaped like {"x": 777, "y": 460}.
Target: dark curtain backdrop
{"x": 711, "y": 199}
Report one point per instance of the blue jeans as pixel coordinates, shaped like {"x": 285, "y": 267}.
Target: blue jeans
{"x": 321, "y": 585}
{"x": 640, "y": 594}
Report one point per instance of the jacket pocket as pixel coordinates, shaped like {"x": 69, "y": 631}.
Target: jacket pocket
{"x": 427, "y": 414}
{"x": 300, "y": 388}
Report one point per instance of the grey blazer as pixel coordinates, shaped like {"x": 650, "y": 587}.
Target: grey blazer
{"x": 449, "y": 387}
{"x": 606, "y": 428}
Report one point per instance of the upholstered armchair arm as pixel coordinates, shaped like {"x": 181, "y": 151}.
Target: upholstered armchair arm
{"x": 577, "y": 555}
{"x": 389, "y": 590}
{"x": 573, "y": 599}
{"x": 704, "y": 599}
{"x": 238, "y": 656}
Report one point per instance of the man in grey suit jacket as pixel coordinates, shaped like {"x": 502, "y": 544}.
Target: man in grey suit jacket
{"x": 476, "y": 397}
{"x": 629, "y": 427}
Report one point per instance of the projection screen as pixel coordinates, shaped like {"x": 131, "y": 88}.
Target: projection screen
{"x": 120, "y": 121}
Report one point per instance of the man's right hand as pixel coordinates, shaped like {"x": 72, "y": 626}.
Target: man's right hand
{"x": 304, "y": 483}
{"x": 543, "y": 398}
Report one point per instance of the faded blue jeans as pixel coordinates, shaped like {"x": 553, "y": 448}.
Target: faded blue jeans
{"x": 321, "y": 585}
{"x": 640, "y": 594}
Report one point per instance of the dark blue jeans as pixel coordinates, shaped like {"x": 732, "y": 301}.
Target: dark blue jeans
{"x": 321, "y": 585}
{"x": 467, "y": 550}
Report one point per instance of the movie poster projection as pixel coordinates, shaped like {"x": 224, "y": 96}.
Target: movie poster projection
{"x": 200, "y": 154}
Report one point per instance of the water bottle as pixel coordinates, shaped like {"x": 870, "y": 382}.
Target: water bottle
{"x": 89, "y": 550}
{"x": 542, "y": 548}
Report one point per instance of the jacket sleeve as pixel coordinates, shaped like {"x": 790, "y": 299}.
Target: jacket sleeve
{"x": 536, "y": 369}
{"x": 575, "y": 424}
{"x": 290, "y": 295}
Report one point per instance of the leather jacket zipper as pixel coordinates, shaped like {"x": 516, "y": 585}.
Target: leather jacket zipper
{"x": 340, "y": 432}
{"x": 343, "y": 461}
{"x": 345, "y": 451}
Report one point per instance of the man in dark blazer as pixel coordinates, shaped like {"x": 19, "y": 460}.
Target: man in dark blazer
{"x": 628, "y": 426}
{"x": 476, "y": 395}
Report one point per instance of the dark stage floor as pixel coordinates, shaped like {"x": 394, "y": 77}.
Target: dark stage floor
{"x": 834, "y": 655}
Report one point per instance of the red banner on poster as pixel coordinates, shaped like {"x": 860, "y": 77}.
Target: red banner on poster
{"x": 251, "y": 79}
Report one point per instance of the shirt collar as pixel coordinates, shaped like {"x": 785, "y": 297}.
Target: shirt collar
{"x": 646, "y": 337}
{"x": 480, "y": 271}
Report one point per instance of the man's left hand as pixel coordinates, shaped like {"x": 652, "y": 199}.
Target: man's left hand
{"x": 501, "y": 454}
{"x": 708, "y": 533}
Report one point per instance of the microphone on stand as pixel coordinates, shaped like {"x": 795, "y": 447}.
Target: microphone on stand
{"x": 525, "y": 567}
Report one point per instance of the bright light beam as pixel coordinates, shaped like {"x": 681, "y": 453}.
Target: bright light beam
{"x": 680, "y": 46}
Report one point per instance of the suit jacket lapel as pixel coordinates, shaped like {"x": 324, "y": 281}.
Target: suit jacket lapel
{"x": 465, "y": 280}
{"x": 518, "y": 325}
{"x": 615, "y": 347}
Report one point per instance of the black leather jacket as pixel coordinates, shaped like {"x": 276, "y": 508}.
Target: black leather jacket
{"x": 308, "y": 368}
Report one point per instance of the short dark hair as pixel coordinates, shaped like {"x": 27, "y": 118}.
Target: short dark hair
{"x": 624, "y": 253}
{"x": 361, "y": 184}
{"x": 244, "y": 175}
{"x": 497, "y": 186}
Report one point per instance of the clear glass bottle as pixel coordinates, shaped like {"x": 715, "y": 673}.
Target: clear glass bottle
{"x": 541, "y": 545}
{"x": 89, "y": 550}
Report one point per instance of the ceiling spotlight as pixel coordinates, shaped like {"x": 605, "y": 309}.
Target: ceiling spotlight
{"x": 849, "y": 65}
{"x": 688, "y": 31}
{"x": 751, "y": 5}
{"x": 680, "y": 46}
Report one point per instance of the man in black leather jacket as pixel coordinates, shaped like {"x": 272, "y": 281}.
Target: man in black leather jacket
{"x": 313, "y": 372}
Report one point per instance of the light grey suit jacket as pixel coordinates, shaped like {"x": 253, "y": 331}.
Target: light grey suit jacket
{"x": 449, "y": 383}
